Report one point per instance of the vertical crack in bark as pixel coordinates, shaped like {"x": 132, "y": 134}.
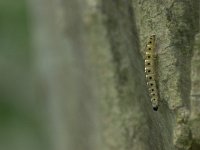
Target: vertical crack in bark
{"x": 195, "y": 84}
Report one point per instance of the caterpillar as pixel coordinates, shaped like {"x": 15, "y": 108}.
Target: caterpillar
{"x": 150, "y": 71}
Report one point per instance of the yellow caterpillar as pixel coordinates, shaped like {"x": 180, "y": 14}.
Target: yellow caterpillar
{"x": 150, "y": 71}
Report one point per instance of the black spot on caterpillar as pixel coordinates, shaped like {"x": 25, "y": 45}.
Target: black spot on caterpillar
{"x": 150, "y": 71}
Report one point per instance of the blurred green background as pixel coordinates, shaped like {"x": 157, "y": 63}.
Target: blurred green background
{"x": 21, "y": 119}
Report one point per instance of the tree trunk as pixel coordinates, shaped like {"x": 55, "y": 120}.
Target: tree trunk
{"x": 90, "y": 58}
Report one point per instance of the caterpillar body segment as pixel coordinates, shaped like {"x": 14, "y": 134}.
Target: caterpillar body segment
{"x": 149, "y": 63}
{"x": 149, "y": 70}
{"x": 150, "y": 77}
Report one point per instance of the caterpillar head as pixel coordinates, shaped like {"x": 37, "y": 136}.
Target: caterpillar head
{"x": 155, "y": 108}
{"x": 154, "y": 101}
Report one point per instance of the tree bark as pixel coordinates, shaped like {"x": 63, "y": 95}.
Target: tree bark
{"x": 91, "y": 68}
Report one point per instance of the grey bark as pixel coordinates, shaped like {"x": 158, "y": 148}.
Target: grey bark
{"x": 89, "y": 56}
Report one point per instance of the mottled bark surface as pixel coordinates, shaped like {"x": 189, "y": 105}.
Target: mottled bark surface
{"x": 92, "y": 63}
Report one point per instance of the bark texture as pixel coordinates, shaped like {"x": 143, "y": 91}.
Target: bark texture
{"x": 90, "y": 56}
